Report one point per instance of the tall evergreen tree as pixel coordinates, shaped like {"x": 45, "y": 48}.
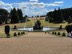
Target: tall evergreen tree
{"x": 55, "y": 17}
{"x": 46, "y": 19}
{"x": 20, "y": 14}
{"x": 60, "y": 16}
{"x": 14, "y": 16}
{"x": 69, "y": 20}
{"x": 25, "y": 18}
{"x": 3, "y": 16}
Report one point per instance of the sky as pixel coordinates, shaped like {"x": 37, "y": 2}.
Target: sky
{"x": 35, "y": 7}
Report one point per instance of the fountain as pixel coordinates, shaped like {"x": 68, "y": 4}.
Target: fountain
{"x": 37, "y": 25}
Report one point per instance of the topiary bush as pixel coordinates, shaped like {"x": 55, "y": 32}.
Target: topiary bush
{"x": 55, "y": 33}
{"x": 23, "y": 32}
{"x": 58, "y": 33}
{"x": 52, "y": 32}
{"x": 63, "y": 34}
{"x": 68, "y": 28}
{"x": 19, "y": 33}
{"x": 15, "y": 34}
{"x": 15, "y": 27}
{"x": 37, "y": 25}
{"x": 7, "y": 31}
{"x": 28, "y": 20}
{"x": 60, "y": 27}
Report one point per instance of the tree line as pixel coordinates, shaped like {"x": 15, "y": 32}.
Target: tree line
{"x": 15, "y": 16}
{"x": 59, "y": 15}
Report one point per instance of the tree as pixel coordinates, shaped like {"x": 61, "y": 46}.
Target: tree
{"x": 32, "y": 16}
{"x": 68, "y": 28}
{"x": 14, "y": 16}
{"x": 57, "y": 16}
{"x": 25, "y": 18}
{"x": 20, "y": 14}
{"x": 69, "y": 20}
{"x": 37, "y": 25}
{"x": 60, "y": 15}
{"x": 46, "y": 19}
{"x": 3, "y": 16}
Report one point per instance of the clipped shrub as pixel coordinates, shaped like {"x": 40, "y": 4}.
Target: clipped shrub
{"x": 63, "y": 34}
{"x": 15, "y": 34}
{"x": 23, "y": 32}
{"x": 28, "y": 20}
{"x": 60, "y": 27}
{"x": 52, "y": 32}
{"x": 15, "y": 27}
{"x": 58, "y": 33}
{"x": 7, "y": 31}
{"x": 18, "y": 33}
{"x": 55, "y": 33}
{"x": 68, "y": 28}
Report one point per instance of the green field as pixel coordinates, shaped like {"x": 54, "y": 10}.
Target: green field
{"x": 44, "y": 23}
{"x": 29, "y": 24}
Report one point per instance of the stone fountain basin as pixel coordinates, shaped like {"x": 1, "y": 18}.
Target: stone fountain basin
{"x": 44, "y": 29}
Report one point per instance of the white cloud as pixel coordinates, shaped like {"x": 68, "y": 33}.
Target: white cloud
{"x": 38, "y": 5}
{"x": 2, "y": 4}
{"x": 53, "y": 4}
{"x": 31, "y": 8}
{"x": 59, "y": 2}
{"x": 34, "y": 0}
{"x": 56, "y": 3}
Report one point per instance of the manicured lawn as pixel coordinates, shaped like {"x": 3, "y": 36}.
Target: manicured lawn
{"x": 44, "y": 23}
{"x": 30, "y": 24}
{"x": 2, "y": 34}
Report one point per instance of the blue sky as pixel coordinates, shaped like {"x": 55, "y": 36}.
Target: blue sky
{"x": 35, "y": 7}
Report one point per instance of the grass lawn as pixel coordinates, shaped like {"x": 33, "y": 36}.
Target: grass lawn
{"x": 29, "y": 24}
{"x": 44, "y": 23}
{"x": 2, "y": 34}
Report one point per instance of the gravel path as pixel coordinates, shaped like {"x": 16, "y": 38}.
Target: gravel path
{"x": 36, "y": 43}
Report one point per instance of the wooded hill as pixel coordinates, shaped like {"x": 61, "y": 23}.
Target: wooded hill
{"x": 60, "y": 15}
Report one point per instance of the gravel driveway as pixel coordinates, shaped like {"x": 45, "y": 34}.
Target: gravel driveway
{"x": 36, "y": 43}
